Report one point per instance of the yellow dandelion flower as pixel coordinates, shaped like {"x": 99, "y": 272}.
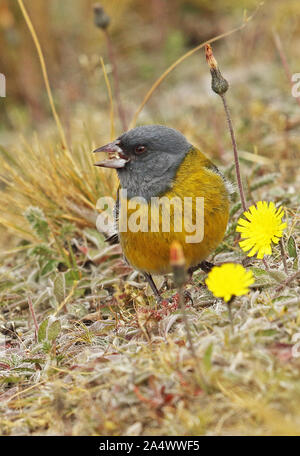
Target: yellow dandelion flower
{"x": 229, "y": 280}
{"x": 262, "y": 227}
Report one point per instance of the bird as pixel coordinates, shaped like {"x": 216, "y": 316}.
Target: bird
{"x": 157, "y": 165}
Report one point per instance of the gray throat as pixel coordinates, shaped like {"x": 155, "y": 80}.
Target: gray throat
{"x": 150, "y": 179}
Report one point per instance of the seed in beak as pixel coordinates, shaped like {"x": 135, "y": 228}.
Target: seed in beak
{"x": 116, "y": 157}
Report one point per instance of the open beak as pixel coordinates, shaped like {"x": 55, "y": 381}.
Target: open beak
{"x": 116, "y": 156}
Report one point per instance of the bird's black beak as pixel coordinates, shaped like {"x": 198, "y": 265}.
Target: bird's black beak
{"x": 116, "y": 156}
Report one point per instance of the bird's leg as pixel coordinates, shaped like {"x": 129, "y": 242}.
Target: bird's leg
{"x": 149, "y": 279}
{"x": 206, "y": 266}
{"x": 188, "y": 297}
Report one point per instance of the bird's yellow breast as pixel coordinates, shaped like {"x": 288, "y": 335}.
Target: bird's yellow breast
{"x": 147, "y": 233}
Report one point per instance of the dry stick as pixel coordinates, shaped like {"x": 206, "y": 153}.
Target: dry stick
{"x": 36, "y": 326}
{"x": 44, "y": 71}
{"x": 283, "y": 256}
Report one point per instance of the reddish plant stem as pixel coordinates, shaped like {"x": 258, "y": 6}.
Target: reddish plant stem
{"x": 266, "y": 264}
{"x": 235, "y": 152}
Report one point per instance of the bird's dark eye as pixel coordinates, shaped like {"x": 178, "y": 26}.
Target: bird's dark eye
{"x": 140, "y": 150}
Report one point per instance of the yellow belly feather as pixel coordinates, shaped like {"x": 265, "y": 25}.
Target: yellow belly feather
{"x": 149, "y": 251}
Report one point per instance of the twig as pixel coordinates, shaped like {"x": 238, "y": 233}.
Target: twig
{"x": 36, "y": 326}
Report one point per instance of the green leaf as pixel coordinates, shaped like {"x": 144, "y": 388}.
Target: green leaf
{"x": 47, "y": 346}
{"x": 59, "y": 288}
{"x": 262, "y": 181}
{"x": 266, "y": 332}
{"x": 11, "y": 379}
{"x": 38, "y": 222}
{"x": 54, "y": 330}
{"x": 49, "y": 267}
{"x": 34, "y": 360}
{"x": 71, "y": 275}
{"x": 67, "y": 230}
{"x": 49, "y": 330}
{"x": 28, "y": 370}
{"x": 279, "y": 276}
{"x": 265, "y": 278}
{"x": 41, "y": 251}
{"x": 295, "y": 264}
{"x": 42, "y": 333}
{"x": 291, "y": 247}
{"x": 95, "y": 237}
{"x": 258, "y": 272}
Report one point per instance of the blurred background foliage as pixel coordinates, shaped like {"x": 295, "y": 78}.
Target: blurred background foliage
{"x": 148, "y": 36}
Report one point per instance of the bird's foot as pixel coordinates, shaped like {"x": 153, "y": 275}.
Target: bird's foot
{"x": 153, "y": 287}
{"x": 206, "y": 266}
{"x": 173, "y": 300}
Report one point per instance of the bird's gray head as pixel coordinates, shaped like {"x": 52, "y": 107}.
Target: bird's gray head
{"x": 146, "y": 158}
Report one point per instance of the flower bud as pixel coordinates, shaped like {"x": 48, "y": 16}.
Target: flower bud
{"x": 177, "y": 261}
{"x": 218, "y": 84}
{"x": 101, "y": 19}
